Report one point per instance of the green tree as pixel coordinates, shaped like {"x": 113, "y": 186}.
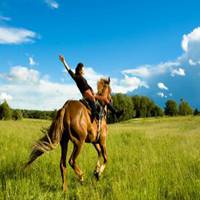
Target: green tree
{"x": 122, "y": 102}
{"x": 171, "y": 108}
{"x": 53, "y": 114}
{"x": 157, "y": 111}
{"x": 136, "y": 102}
{"x": 5, "y": 111}
{"x": 184, "y": 108}
{"x": 196, "y": 112}
{"x": 17, "y": 114}
{"x": 145, "y": 107}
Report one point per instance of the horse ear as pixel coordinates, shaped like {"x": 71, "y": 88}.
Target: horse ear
{"x": 108, "y": 80}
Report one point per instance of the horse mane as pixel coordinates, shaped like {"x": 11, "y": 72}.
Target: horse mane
{"x": 101, "y": 85}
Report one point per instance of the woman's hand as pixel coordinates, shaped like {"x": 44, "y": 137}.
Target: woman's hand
{"x": 62, "y": 59}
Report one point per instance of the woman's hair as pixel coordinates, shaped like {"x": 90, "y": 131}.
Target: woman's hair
{"x": 79, "y": 68}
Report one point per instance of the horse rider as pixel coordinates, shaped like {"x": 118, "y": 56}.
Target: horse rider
{"x": 86, "y": 91}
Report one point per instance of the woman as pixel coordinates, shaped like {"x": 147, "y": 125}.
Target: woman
{"x": 86, "y": 90}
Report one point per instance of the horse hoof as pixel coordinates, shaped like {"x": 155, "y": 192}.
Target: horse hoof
{"x": 64, "y": 189}
{"x": 81, "y": 180}
{"x": 97, "y": 175}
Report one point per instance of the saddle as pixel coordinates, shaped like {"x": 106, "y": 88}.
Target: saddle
{"x": 100, "y": 113}
{"x": 100, "y": 108}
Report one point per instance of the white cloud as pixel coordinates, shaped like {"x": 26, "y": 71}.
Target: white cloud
{"x": 148, "y": 71}
{"x": 142, "y": 71}
{"x": 32, "y": 62}
{"x": 191, "y": 47}
{"x": 29, "y": 90}
{"x": 127, "y": 84}
{"x": 191, "y": 62}
{"x": 52, "y": 3}
{"x": 161, "y": 94}
{"x": 194, "y": 63}
{"x": 162, "y": 86}
{"x": 23, "y": 74}
{"x": 44, "y": 95}
{"x": 10, "y": 35}
{"x": 179, "y": 72}
{"x": 92, "y": 77}
{"x": 190, "y": 38}
{"x": 162, "y": 68}
{"x": 3, "y": 18}
{"x": 5, "y": 97}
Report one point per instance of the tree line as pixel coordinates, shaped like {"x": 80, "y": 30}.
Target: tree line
{"x": 7, "y": 113}
{"x": 142, "y": 107}
{"x": 133, "y": 107}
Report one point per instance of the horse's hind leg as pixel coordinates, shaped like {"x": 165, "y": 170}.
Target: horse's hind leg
{"x": 63, "y": 168}
{"x": 72, "y": 160}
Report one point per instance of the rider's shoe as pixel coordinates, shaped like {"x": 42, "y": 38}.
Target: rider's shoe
{"x": 119, "y": 113}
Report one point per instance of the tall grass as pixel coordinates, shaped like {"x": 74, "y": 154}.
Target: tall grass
{"x": 157, "y": 158}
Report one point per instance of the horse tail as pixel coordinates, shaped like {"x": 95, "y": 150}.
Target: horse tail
{"x": 51, "y": 138}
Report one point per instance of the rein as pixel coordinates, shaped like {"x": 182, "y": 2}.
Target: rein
{"x": 101, "y": 91}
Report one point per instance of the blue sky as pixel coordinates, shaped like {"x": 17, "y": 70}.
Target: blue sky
{"x": 147, "y": 47}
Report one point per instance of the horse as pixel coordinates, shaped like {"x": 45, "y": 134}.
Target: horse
{"x": 73, "y": 123}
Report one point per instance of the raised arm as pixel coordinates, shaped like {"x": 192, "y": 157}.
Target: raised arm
{"x": 62, "y": 59}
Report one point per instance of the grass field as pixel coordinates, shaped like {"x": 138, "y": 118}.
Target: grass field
{"x": 148, "y": 159}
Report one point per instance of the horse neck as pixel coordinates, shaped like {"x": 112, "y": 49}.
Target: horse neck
{"x": 104, "y": 92}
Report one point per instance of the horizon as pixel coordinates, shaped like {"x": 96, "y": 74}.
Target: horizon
{"x": 52, "y": 110}
{"x": 147, "y": 48}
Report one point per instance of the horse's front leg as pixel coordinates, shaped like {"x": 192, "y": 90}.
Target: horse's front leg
{"x": 98, "y": 165}
{"x": 101, "y": 149}
{"x": 105, "y": 157}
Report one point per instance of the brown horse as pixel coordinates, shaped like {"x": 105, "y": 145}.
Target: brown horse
{"x": 73, "y": 123}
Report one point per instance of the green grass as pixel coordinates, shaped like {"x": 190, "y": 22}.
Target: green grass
{"x": 157, "y": 158}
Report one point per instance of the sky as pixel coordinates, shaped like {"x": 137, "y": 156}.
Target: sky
{"x": 147, "y": 48}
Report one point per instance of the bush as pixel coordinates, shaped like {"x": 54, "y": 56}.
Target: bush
{"x": 5, "y": 111}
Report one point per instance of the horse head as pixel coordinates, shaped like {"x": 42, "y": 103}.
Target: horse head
{"x": 103, "y": 87}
